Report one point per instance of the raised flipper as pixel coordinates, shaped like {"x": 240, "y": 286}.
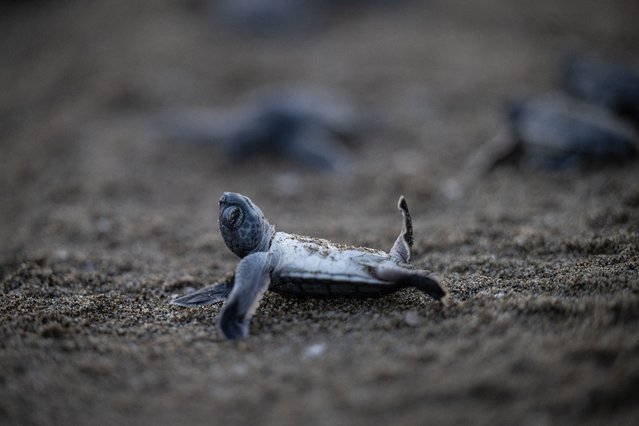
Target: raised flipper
{"x": 207, "y": 295}
{"x": 252, "y": 278}
{"x": 411, "y": 278}
{"x": 402, "y": 248}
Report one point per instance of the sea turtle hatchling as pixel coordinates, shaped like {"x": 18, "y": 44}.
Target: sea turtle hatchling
{"x": 556, "y": 132}
{"x": 306, "y": 126}
{"x": 611, "y": 85}
{"x": 302, "y": 266}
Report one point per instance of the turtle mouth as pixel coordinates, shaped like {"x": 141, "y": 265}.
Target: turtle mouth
{"x": 223, "y": 199}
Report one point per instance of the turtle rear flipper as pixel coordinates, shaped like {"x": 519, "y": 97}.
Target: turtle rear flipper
{"x": 424, "y": 283}
{"x": 411, "y": 278}
{"x": 207, "y": 295}
{"x": 402, "y": 248}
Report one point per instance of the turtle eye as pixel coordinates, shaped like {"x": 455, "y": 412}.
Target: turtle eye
{"x": 233, "y": 217}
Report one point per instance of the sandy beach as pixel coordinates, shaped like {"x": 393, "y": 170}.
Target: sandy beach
{"x": 103, "y": 221}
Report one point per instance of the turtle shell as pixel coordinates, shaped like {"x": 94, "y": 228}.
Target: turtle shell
{"x": 611, "y": 85}
{"x": 308, "y": 266}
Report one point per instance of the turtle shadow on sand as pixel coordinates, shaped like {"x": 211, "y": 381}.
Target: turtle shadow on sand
{"x": 301, "y": 266}
{"x": 279, "y": 314}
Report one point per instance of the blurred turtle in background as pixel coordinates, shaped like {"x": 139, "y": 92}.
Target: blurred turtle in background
{"x": 276, "y": 17}
{"x": 552, "y": 133}
{"x": 301, "y": 125}
{"x": 268, "y": 17}
{"x": 589, "y": 124}
{"x": 557, "y": 132}
{"x": 586, "y": 126}
{"x": 611, "y": 85}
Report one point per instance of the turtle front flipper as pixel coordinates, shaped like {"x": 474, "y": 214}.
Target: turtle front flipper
{"x": 206, "y": 295}
{"x": 252, "y": 278}
{"x": 402, "y": 248}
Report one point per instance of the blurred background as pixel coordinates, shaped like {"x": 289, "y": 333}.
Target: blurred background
{"x": 98, "y": 194}
{"x": 83, "y": 84}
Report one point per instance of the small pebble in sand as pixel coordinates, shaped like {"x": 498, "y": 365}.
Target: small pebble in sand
{"x": 61, "y": 254}
{"x": 412, "y": 318}
{"x": 315, "y": 350}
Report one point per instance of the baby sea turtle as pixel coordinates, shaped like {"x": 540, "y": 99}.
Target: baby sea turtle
{"x": 304, "y": 125}
{"x": 612, "y": 85}
{"x": 558, "y": 132}
{"x": 552, "y": 132}
{"x": 301, "y": 266}
{"x": 268, "y": 17}
{"x": 555, "y": 132}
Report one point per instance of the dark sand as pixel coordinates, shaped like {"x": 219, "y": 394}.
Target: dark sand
{"x": 103, "y": 221}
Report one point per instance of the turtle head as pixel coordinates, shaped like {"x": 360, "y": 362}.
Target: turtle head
{"x": 243, "y": 226}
